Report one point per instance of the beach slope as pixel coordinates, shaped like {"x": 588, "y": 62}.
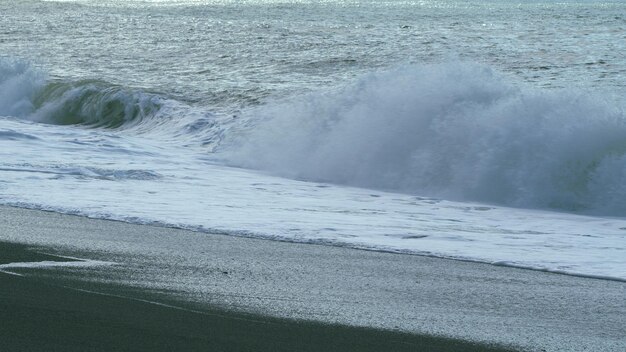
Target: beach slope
{"x": 169, "y": 286}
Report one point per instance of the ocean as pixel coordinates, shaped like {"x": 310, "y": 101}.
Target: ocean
{"x": 488, "y": 130}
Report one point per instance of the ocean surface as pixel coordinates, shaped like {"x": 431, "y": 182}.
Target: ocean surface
{"x": 487, "y": 130}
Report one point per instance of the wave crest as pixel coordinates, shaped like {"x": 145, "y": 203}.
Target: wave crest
{"x": 456, "y": 131}
{"x": 93, "y": 104}
{"x": 25, "y": 93}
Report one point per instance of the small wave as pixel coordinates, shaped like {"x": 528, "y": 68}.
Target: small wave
{"x": 14, "y": 135}
{"x": 118, "y": 175}
{"x": 455, "y": 131}
{"x": 86, "y": 172}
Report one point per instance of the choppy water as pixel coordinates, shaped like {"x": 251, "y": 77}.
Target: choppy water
{"x": 484, "y": 130}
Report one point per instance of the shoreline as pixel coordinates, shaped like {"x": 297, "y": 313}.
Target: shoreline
{"x": 325, "y": 244}
{"x": 419, "y": 296}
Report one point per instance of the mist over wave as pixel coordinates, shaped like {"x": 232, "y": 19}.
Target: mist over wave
{"x": 456, "y": 131}
{"x": 18, "y": 84}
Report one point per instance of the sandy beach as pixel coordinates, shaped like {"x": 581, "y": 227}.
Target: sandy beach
{"x": 50, "y": 317}
{"x": 152, "y": 286}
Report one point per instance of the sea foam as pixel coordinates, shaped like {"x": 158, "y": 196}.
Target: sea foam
{"x": 18, "y": 85}
{"x": 456, "y": 131}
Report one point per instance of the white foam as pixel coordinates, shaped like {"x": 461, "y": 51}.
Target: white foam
{"x": 10, "y": 267}
{"x": 455, "y": 131}
{"x": 194, "y": 193}
{"x": 18, "y": 84}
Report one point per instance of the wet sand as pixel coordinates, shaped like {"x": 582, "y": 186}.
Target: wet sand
{"x": 276, "y": 295}
{"x": 41, "y": 316}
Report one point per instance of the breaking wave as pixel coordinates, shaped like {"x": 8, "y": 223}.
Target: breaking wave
{"x": 18, "y": 84}
{"x": 93, "y": 104}
{"x": 456, "y": 131}
{"x": 25, "y": 93}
